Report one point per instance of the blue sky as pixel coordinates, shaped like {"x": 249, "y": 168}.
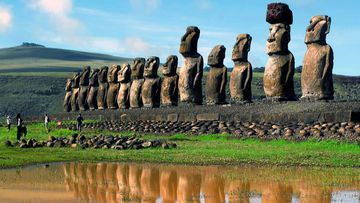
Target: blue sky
{"x": 132, "y": 28}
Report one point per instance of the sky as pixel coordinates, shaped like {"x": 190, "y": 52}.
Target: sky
{"x": 143, "y": 28}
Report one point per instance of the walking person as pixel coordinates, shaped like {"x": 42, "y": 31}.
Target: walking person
{"x": 46, "y": 123}
{"x": 19, "y": 123}
{"x": 8, "y": 123}
{"x": 79, "y": 121}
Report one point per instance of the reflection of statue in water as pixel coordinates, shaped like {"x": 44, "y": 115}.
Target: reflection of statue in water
{"x": 150, "y": 186}
{"x": 168, "y": 185}
{"x": 124, "y": 79}
{"x": 137, "y": 74}
{"x": 217, "y": 77}
{"x": 84, "y": 87}
{"x": 190, "y": 78}
{"x": 238, "y": 191}
{"x": 113, "y": 87}
{"x": 122, "y": 177}
{"x": 276, "y": 193}
{"x": 169, "y": 84}
{"x": 67, "y": 98}
{"x": 279, "y": 70}
{"x": 75, "y": 92}
{"x": 316, "y": 75}
{"x": 103, "y": 87}
{"x": 241, "y": 75}
{"x": 213, "y": 188}
{"x": 93, "y": 90}
{"x": 188, "y": 187}
{"x": 134, "y": 183}
{"x": 150, "y": 92}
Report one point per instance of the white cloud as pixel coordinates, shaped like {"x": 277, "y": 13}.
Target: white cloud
{"x": 204, "y": 4}
{"x": 5, "y": 18}
{"x": 150, "y": 4}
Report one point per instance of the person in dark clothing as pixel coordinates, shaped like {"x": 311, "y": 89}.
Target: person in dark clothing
{"x": 19, "y": 124}
{"x": 79, "y": 121}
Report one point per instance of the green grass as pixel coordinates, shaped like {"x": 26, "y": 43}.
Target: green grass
{"x": 203, "y": 150}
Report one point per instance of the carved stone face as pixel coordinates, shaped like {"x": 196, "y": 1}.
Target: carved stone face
{"x": 124, "y": 74}
{"x": 103, "y": 74}
{"x": 318, "y": 29}
{"x": 216, "y": 56}
{"x": 241, "y": 47}
{"x": 94, "y": 77}
{"x": 189, "y": 41}
{"x": 151, "y": 67}
{"x": 112, "y": 76}
{"x": 169, "y": 68}
{"x": 137, "y": 69}
{"x": 68, "y": 84}
{"x": 75, "y": 80}
{"x": 279, "y": 39}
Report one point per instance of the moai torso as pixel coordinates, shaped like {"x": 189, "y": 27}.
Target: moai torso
{"x": 217, "y": 77}
{"x": 93, "y": 90}
{"x": 169, "y": 84}
{"x": 150, "y": 92}
{"x": 67, "y": 98}
{"x": 190, "y": 78}
{"x": 75, "y": 92}
{"x": 103, "y": 87}
{"x": 137, "y": 72}
{"x": 113, "y": 87}
{"x": 124, "y": 78}
{"x": 241, "y": 75}
{"x": 84, "y": 87}
{"x": 316, "y": 76}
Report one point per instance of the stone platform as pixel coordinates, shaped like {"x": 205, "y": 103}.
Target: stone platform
{"x": 282, "y": 112}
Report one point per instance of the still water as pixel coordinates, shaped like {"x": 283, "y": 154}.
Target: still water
{"x": 120, "y": 182}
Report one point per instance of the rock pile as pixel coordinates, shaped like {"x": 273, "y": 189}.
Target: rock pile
{"x": 346, "y": 131}
{"x": 96, "y": 142}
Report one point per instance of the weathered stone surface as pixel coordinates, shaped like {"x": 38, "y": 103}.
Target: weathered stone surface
{"x": 84, "y": 86}
{"x": 137, "y": 74}
{"x": 169, "y": 84}
{"x": 208, "y": 117}
{"x": 241, "y": 75}
{"x": 190, "y": 87}
{"x": 113, "y": 87}
{"x": 316, "y": 76}
{"x": 217, "y": 77}
{"x": 103, "y": 87}
{"x": 279, "y": 70}
{"x": 173, "y": 117}
{"x": 75, "y": 92}
{"x": 93, "y": 90}
{"x": 279, "y": 13}
{"x": 124, "y": 78}
{"x": 150, "y": 92}
{"x": 67, "y": 98}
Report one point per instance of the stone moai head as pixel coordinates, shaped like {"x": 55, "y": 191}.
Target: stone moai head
{"x": 103, "y": 74}
{"x": 94, "y": 77}
{"x": 170, "y": 66}
{"x": 85, "y": 75}
{"x": 137, "y": 70}
{"x": 189, "y": 41}
{"x": 318, "y": 29}
{"x": 75, "y": 80}
{"x": 112, "y": 75}
{"x": 151, "y": 67}
{"x": 68, "y": 84}
{"x": 217, "y": 56}
{"x": 124, "y": 74}
{"x": 241, "y": 47}
{"x": 279, "y": 39}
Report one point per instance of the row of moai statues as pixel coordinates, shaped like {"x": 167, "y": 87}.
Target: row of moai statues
{"x": 140, "y": 86}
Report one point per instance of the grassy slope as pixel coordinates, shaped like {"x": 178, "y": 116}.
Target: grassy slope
{"x": 206, "y": 149}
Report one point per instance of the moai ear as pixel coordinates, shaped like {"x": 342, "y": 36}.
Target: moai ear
{"x": 249, "y": 43}
{"x": 328, "y": 22}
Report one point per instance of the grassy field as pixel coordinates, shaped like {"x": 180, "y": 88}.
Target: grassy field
{"x": 203, "y": 150}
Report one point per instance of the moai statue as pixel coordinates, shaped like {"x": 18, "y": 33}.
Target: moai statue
{"x": 279, "y": 70}
{"x": 169, "y": 84}
{"x": 103, "y": 87}
{"x": 217, "y": 77}
{"x": 113, "y": 87}
{"x": 67, "y": 98}
{"x": 75, "y": 80}
{"x": 150, "y": 92}
{"x": 241, "y": 75}
{"x": 190, "y": 78}
{"x": 137, "y": 74}
{"x": 124, "y": 79}
{"x": 316, "y": 76}
{"x": 93, "y": 89}
{"x": 84, "y": 87}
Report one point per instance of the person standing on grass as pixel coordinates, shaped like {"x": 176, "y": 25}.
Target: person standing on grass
{"x": 79, "y": 121}
{"x": 19, "y": 124}
{"x": 8, "y": 122}
{"x": 46, "y": 123}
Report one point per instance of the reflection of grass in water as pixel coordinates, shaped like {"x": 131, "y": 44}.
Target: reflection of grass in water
{"x": 203, "y": 149}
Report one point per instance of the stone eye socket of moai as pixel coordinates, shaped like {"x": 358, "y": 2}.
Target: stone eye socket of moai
{"x": 241, "y": 76}
{"x": 137, "y": 72}
{"x": 113, "y": 87}
{"x": 316, "y": 75}
{"x": 279, "y": 70}
{"x": 103, "y": 87}
{"x": 217, "y": 76}
{"x": 93, "y": 90}
{"x": 150, "y": 92}
{"x": 124, "y": 78}
{"x": 169, "y": 84}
